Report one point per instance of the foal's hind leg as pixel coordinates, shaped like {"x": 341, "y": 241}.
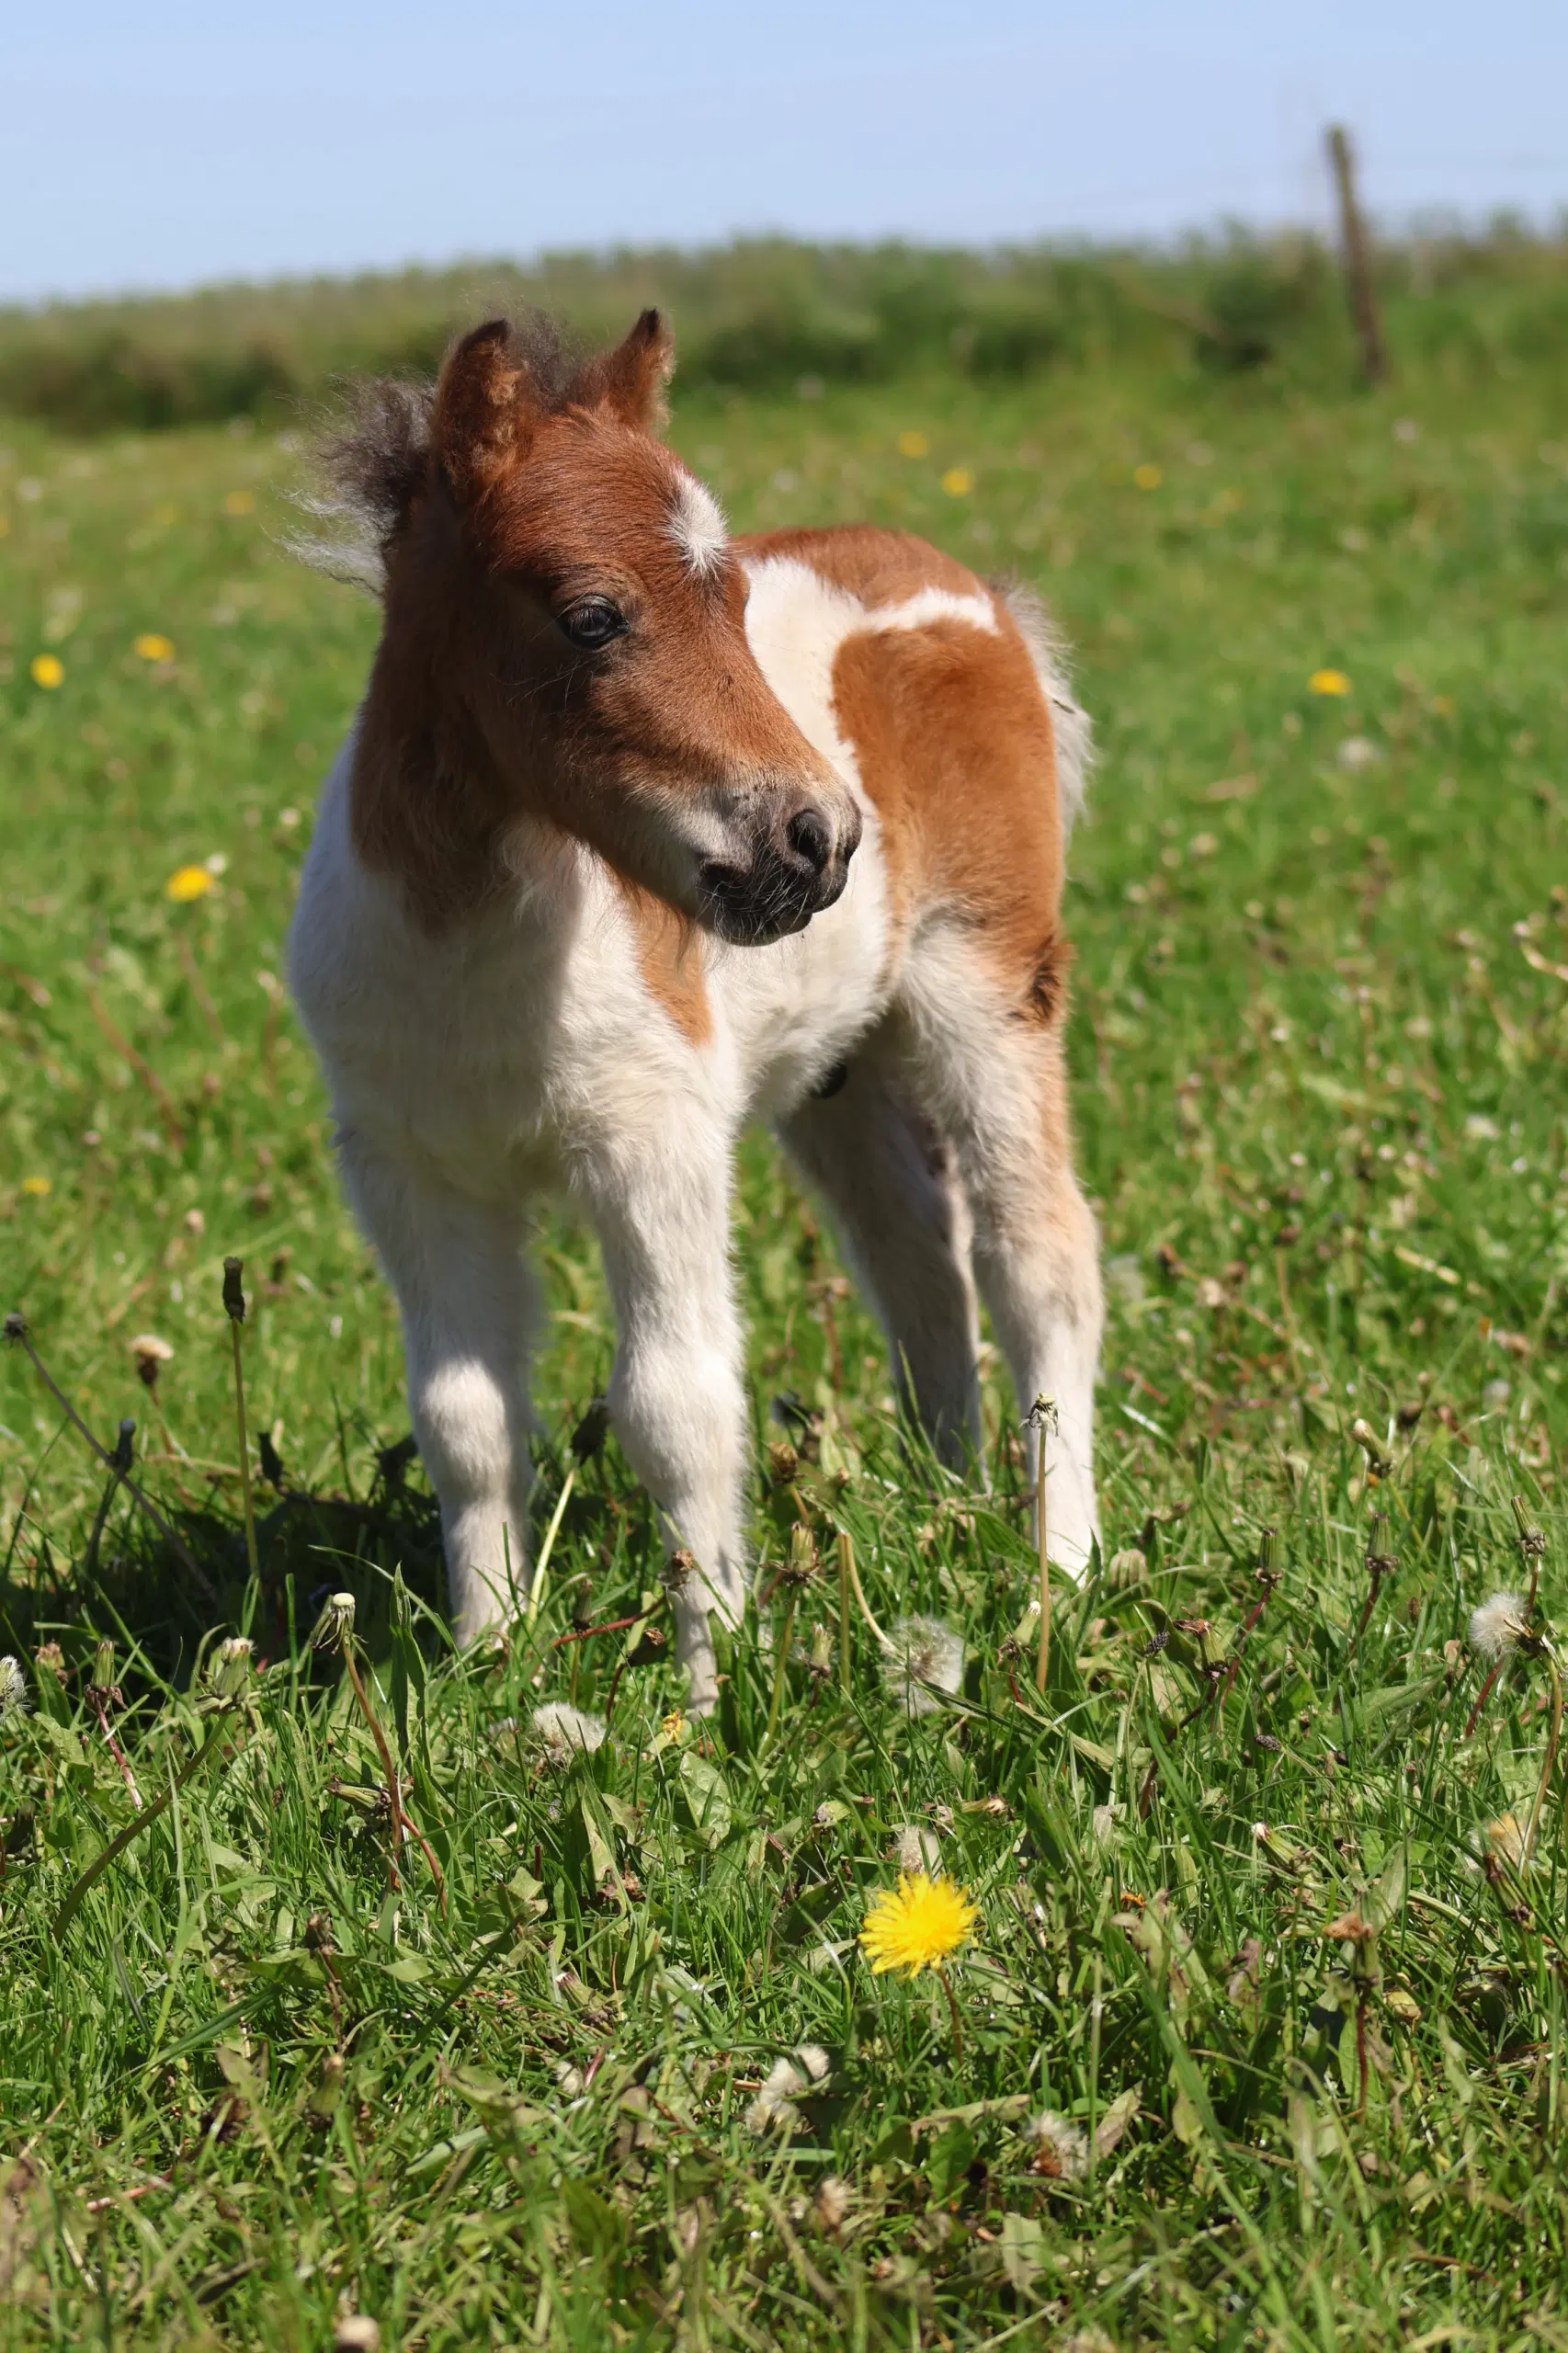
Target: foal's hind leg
{"x": 890, "y": 1183}
{"x": 995, "y": 1079}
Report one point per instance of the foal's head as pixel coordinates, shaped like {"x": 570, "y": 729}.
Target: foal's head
{"x": 565, "y": 637}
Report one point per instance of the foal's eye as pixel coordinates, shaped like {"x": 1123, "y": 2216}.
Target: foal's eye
{"x": 592, "y": 623}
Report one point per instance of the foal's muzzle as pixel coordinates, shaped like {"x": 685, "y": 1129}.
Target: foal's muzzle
{"x": 793, "y": 868}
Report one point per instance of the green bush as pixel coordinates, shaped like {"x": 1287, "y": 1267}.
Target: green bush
{"x": 763, "y": 312}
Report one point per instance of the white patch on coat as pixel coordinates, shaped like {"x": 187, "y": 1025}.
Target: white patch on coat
{"x": 697, "y": 526}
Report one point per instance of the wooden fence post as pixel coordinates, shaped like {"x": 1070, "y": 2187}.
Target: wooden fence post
{"x": 1356, "y": 250}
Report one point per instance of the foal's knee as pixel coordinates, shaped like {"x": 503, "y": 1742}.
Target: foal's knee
{"x": 679, "y": 1411}
{"x": 464, "y": 1431}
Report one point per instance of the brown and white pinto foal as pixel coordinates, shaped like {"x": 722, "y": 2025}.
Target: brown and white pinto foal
{"x": 643, "y": 832}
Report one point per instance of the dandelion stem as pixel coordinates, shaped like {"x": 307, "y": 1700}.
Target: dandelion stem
{"x": 1042, "y": 1661}
{"x": 1549, "y": 1764}
{"x": 119, "y": 1464}
{"x": 1042, "y": 1416}
{"x": 99, "y": 1702}
{"x": 1361, "y": 2051}
{"x": 1481, "y": 1699}
{"x": 404, "y": 1826}
{"x": 846, "y": 1570}
{"x": 610, "y": 1626}
{"x": 782, "y": 1667}
{"x": 234, "y": 1303}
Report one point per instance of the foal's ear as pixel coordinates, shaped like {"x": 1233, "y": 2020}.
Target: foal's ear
{"x": 630, "y": 381}
{"x": 486, "y": 407}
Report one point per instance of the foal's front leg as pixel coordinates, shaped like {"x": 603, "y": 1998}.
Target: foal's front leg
{"x": 677, "y": 1397}
{"x": 467, "y": 1301}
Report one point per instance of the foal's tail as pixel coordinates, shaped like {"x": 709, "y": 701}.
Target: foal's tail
{"x": 1070, "y": 722}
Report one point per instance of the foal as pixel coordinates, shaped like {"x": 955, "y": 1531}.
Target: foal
{"x": 643, "y": 832}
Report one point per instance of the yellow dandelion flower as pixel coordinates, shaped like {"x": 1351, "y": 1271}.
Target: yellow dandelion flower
{"x": 918, "y": 1924}
{"x": 1328, "y": 682}
{"x": 47, "y": 671}
{"x": 187, "y": 883}
{"x": 1147, "y": 477}
{"x": 239, "y": 502}
{"x": 39, "y": 1189}
{"x": 153, "y": 648}
{"x": 957, "y": 482}
{"x": 913, "y": 445}
{"x": 673, "y": 1726}
{"x": 1443, "y": 705}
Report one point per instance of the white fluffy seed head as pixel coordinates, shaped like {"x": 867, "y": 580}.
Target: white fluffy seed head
{"x": 924, "y": 1660}
{"x": 1508, "y": 1838}
{"x": 1498, "y": 1626}
{"x": 563, "y": 1731}
{"x": 230, "y": 1667}
{"x": 916, "y": 1849}
{"x": 13, "y": 1689}
{"x": 1061, "y": 2149}
{"x": 831, "y": 2204}
{"x": 774, "y": 2109}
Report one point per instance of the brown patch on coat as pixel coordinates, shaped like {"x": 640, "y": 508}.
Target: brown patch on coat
{"x": 669, "y": 956}
{"x": 956, "y": 748}
{"x": 877, "y": 566}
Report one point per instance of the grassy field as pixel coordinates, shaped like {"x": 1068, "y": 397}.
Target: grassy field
{"x": 1262, "y": 1924}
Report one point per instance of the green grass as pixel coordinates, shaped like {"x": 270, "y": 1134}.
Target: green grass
{"x": 249, "y": 2086}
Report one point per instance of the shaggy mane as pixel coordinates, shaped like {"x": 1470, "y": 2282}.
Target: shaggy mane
{"x": 373, "y": 460}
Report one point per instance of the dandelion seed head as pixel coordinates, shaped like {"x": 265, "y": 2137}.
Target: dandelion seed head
{"x": 1061, "y": 2151}
{"x": 831, "y": 2205}
{"x": 150, "y": 1352}
{"x": 563, "y": 1731}
{"x": 1508, "y": 1839}
{"x": 924, "y": 1659}
{"x": 1498, "y": 1626}
{"x": 14, "y": 1700}
{"x": 915, "y": 1849}
{"x": 231, "y": 1665}
{"x": 774, "y": 2109}
{"x": 336, "y": 1621}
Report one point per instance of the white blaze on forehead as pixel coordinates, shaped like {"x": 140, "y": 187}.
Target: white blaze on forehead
{"x": 697, "y": 526}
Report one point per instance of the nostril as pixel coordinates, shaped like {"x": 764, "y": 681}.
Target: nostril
{"x": 808, "y": 836}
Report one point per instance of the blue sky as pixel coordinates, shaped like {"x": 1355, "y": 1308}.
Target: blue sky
{"x": 194, "y": 142}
